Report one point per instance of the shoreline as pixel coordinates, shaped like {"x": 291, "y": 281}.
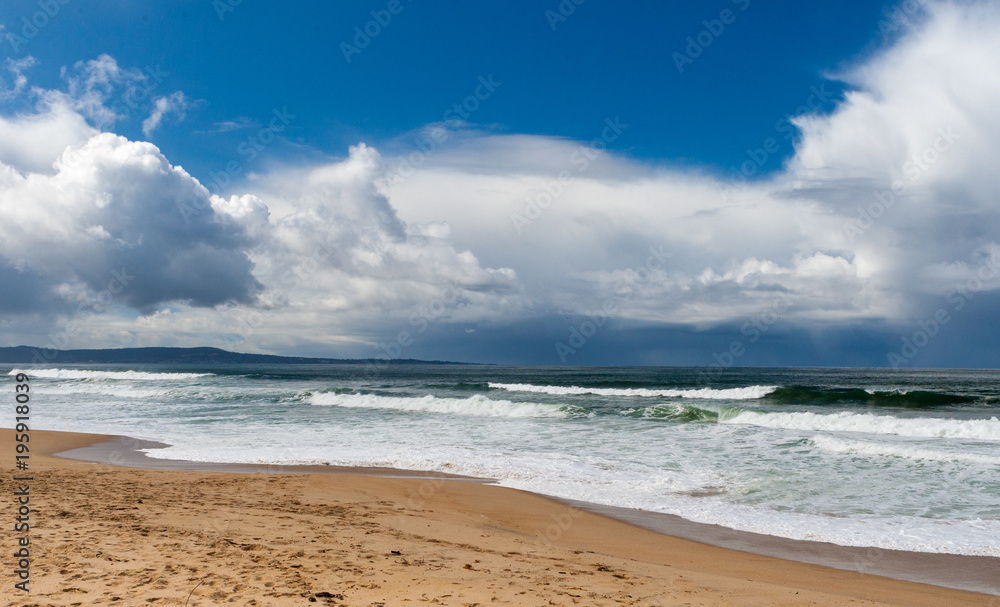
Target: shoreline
{"x": 960, "y": 572}
{"x": 117, "y": 450}
{"x": 103, "y": 534}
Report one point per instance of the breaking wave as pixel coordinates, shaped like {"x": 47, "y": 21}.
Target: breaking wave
{"x": 980, "y": 429}
{"x": 122, "y": 375}
{"x": 747, "y": 393}
{"x": 477, "y": 405}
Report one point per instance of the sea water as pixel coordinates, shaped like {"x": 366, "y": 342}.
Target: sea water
{"x": 859, "y": 457}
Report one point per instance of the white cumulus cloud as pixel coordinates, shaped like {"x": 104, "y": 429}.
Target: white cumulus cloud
{"x": 888, "y": 200}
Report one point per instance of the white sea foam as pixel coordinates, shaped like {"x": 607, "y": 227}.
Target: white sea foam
{"x": 844, "y": 421}
{"x": 747, "y": 393}
{"x": 883, "y": 449}
{"x": 121, "y": 375}
{"x": 477, "y": 405}
{"x": 112, "y": 389}
{"x": 705, "y": 472}
{"x": 614, "y": 483}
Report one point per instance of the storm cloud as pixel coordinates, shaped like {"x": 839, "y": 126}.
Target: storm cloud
{"x": 885, "y": 213}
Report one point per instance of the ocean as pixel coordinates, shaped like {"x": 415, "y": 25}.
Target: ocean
{"x": 900, "y": 459}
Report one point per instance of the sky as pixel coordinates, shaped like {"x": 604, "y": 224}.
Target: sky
{"x": 727, "y": 183}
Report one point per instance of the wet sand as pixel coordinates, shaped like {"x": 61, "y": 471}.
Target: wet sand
{"x": 107, "y": 534}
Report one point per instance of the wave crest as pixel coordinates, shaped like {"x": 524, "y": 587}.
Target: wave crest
{"x": 477, "y": 405}
{"x": 840, "y": 445}
{"x": 122, "y": 375}
{"x": 674, "y": 413}
{"x": 868, "y": 423}
{"x": 887, "y": 398}
{"x": 746, "y": 393}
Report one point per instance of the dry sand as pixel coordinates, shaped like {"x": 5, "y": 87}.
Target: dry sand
{"x": 106, "y": 535}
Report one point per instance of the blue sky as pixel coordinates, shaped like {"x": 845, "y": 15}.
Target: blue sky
{"x": 293, "y": 211}
{"x": 603, "y": 60}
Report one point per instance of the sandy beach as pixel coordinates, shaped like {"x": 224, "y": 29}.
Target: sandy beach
{"x": 111, "y": 535}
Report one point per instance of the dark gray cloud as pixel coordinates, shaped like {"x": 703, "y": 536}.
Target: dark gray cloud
{"x": 497, "y": 247}
{"x": 23, "y": 292}
{"x": 117, "y": 208}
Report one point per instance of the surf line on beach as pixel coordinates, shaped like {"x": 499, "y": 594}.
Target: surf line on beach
{"x": 22, "y": 482}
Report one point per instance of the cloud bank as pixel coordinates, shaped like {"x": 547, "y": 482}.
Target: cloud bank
{"x": 887, "y": 207}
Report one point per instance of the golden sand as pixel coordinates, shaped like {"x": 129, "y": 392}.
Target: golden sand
{"x": 103, "y": 535}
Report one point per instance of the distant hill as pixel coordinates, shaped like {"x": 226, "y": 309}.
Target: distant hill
{"x": 28, "y": 354}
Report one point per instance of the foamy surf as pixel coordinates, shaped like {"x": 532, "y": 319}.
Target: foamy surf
{"x": 844, "y": 421}
{"x": 118, "y": 375}
{"x": 675, "y": 412}
{"x": 840, "y": 445}
{"x": 477, "y": 405}
{"x": 115, "y": 390}
{"x": 747, "y": 393}
{"x": 838, "y": 463}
